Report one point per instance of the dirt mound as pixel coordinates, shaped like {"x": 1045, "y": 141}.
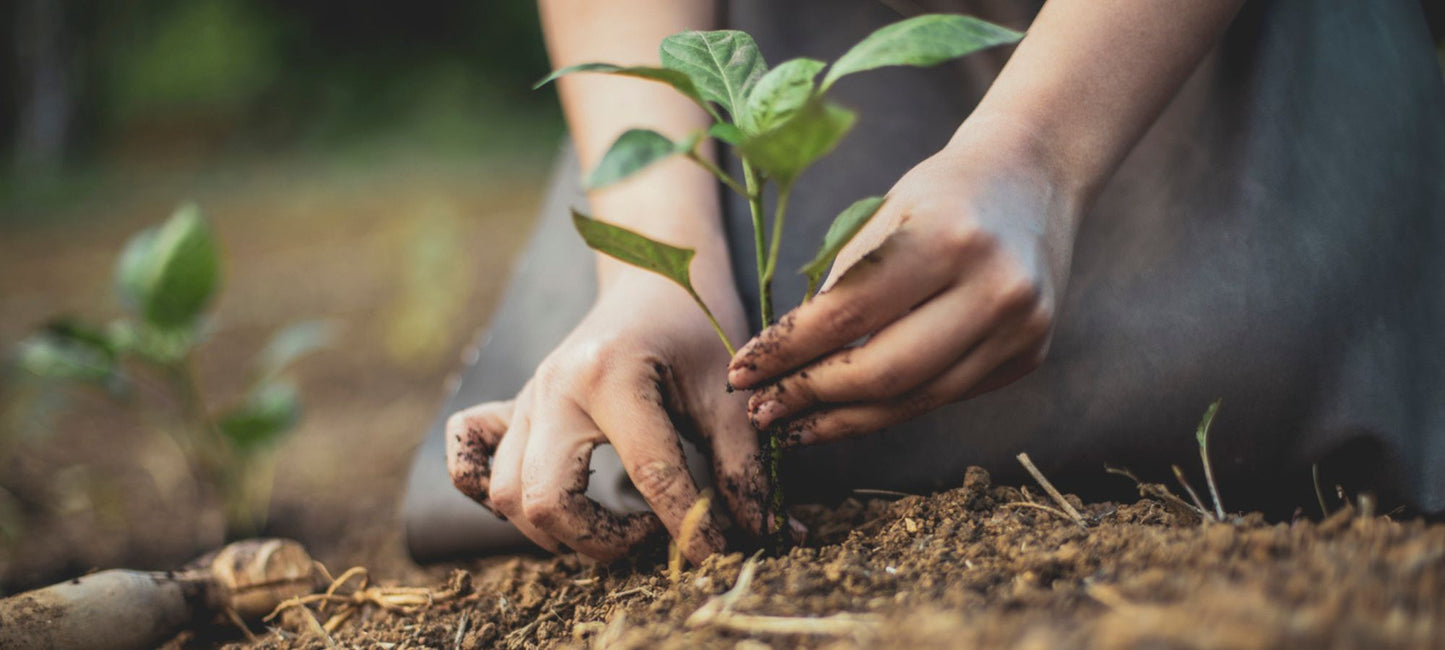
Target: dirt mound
{"x": 977, "y": 566}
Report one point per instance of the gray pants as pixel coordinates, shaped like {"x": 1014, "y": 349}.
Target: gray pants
{"x": 1274, "y": 240}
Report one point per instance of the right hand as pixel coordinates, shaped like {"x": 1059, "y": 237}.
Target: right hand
{"x": 643, "y": 365}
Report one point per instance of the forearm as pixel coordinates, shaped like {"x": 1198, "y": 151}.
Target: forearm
{"x": 674, "y": 201}
{"x": 1090, "y": 77}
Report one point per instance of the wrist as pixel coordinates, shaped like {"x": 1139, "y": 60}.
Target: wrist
{"x": 1021, "y": 146}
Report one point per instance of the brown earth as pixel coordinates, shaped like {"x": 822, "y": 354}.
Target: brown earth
{"x": 971, "y": 567}
{"x": 977, "y": 566}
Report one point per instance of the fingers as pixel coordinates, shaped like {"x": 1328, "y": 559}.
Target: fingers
{"x": 902, "y": 356}
{"x": 506, "y": 487}
{"x": 737, "y": 464}
{"x": 556, "y": 467}
{"x": 472, "y": 437}
{"x": 871, "y": 294}
{"x": 997, "y": 361}
{"x": 651, "y": 452}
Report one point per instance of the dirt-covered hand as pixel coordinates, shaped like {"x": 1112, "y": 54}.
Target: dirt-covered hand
{"x": 642, "y": 368}
{"x": 954, "y": 283}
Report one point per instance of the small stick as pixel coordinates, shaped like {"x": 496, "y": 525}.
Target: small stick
{"x": 1051, "y": 510}
{"x": 719, "y": 611}
{"x": 461, "y": 632}
{"x": 1156, "y": 491}
{"x": 873, "y": 492}
{"x": 834, "y": 625}
{"x": 1198, "y": 503}
{"x": 236, "y": 621}
{"x": 1053, "y": 492}
{"x": 1319, "y": 494}
{"x": 1202, "y": 434}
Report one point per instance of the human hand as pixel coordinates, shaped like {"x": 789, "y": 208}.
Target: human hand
{"x": 955, "y": 282}
{"x": 642, "y": 366}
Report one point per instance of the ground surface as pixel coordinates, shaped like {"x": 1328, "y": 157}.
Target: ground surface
{"x": 368, "y": 249}
{"x": 405, "y": 256}
{"x": 971, "y": 567}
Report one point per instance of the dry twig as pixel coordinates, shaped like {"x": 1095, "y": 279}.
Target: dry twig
{"x": 1194, "y": 496}
{"x": 407, "y": 601}
{"x": 1053, "y": 492}
{"x": 1038, "y": 506}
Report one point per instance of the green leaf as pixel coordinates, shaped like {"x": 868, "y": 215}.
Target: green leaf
{"x": 69, "y": 350}
{"x": 168, "y": 274}
{"x": 131, "y": 272}
{"x": 922, "y": 41}
{"x": 631, "y": 153}
{"x": 632, "y": 248}
{"x": 289, "y": 344}
{"x": 724, "y": 65}
{"x": 845, "y": 226}
{"x": 666, "y": 260}
{"x": 726, "y": 133}
{"x": 1202, "y": 433}
{"x": 779, "y": 94}
{"x": 268, "y": 412}
{"x": 784, "y": 151}
{"x": 677, "y": 79}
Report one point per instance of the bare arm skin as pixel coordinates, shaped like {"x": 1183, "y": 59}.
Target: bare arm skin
{"x": 644, "y": 363}
{"x": 958, "y": 277}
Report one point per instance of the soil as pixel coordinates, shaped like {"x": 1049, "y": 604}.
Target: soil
{"x": 970, "y": 567}
{"x": 976, "y": 566}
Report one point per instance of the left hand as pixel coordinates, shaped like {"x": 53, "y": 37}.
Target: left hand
{"x": 955, "y": 281}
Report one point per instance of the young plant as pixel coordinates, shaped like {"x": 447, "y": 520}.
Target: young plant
{"x": 166, "y": 277}
{"x": 778, "y": 122}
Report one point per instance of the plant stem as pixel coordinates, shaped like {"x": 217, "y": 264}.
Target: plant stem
{"x": 727, "y": 343}
{"x": 227, "y": 474}
{"x": 774, "y": 453}
{"x": 1203, "y": 436}
{"x": 721, "y": 175}
{"x": 760, "y": 243}
{"x": 765, "y": 285}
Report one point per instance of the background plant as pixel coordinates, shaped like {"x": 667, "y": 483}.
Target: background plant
{"x": 166, "y": 277}
{"x": 778, "y": 122}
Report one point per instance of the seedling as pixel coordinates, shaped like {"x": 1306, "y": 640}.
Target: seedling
{"x": 778, "y": 122}
{"x": 166, "y": 277}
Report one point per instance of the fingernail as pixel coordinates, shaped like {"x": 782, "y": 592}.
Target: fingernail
{"x": 767, "y": 413}
{"x": 737, "y": 377}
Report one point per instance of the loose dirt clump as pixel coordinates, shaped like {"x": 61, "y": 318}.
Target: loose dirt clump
{"x": 977, "y": 566}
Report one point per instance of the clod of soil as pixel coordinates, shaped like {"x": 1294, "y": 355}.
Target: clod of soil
{"x": 971, "y": 567}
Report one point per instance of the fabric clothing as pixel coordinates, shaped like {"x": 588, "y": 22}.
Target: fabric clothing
{"x": 1274, "y": 240}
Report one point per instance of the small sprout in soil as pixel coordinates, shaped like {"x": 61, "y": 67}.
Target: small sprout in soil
{"x": 1202, "y": 435}
{"x": 1319, "y": 494}
{"x": 166, "y": 278}
{"x": 778, "y": 122}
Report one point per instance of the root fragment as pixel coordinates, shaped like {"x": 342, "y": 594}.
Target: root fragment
{"x": 348, "y": 599}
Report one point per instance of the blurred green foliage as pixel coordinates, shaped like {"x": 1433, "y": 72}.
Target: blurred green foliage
{"x": 167, "y": 275}
{"x": 266, "y": 77}
{"x": 211, "y": 55}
